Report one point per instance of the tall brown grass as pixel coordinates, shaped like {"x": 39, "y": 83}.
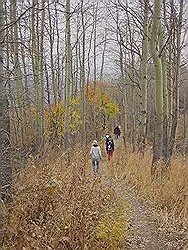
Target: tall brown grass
{"x": 167, "y": 193}
{"x": 57, "y": 205}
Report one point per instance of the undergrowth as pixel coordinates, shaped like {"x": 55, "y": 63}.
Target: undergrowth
{"x": 57, "y": 205}
{"x": 167, "y": 194}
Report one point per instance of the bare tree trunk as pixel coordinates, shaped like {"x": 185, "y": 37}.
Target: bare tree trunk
{"x": 102, "y": 78}
{"x": 37, "y": 35}
{"x": 124, "y": 89}
{"x": 158, "y": 135}
{"x": 165, "y": 110}
{"x": 162, "y": 52}
{"x": 28, "y": 118}
{"x": 35, "y": 67}
{"x": 89, "y": 72}
{"x": 186, "y": 120}
{"x": 176, "y": 81}
{"x": 95, "y": 70}
{"x": 76, "y": 61}
{"x": 58, "y": 78}
{"x": 9, "y": 52}
{"x": 5, "y": 168}
{"x": 133, "y": 102}
{"x": 144, "y": 98}
{"x": 103, "y": 56}
{"x": 83, "y": 79}
{"x": 68, "y": 74}
{"x": 132, "y": 84}
{"x": 51, "y": 37}
{"x": 40, "y": 104}
{"x": 47, "y": 85}
{"x": 18, "y": 76}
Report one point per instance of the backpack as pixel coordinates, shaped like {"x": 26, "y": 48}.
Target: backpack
{"x": 106, "y": 138}
{"x": 109, "y": 145}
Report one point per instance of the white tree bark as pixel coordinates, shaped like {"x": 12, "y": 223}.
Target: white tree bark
{"x": 158, "y": 135}
{"x": 68, "y": 73}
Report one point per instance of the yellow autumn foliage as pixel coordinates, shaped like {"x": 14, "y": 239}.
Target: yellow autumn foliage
{"x": 54, "y": 123}
{"x": 53, "y": 118}
{"x": 111, "y": 109}
{"x": 104, "y": 102}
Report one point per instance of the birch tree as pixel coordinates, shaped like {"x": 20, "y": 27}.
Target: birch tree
{"x": 144, "y": 76}
{"x": 5, "y": 168}
{"x": 68, "y": 73}
{"x": 52, "y": 64}
{"x": 158, "y": 136}
{"x": 83, "y": 77}
{"x": 176, "y": 78}
{"x": 18, "y": 76}
{"x": 95, "y": 10}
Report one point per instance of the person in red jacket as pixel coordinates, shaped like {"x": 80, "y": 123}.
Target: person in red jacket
{"x": 110, "y": 147}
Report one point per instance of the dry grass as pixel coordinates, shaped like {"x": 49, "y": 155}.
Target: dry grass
{"x": 57, "y": 205}
{"x": 60, "y": 206}
{"x": 167, "y": 194}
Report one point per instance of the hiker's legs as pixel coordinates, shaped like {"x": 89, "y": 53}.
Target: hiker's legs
{"x": 110, "y": 154}
{"x": 94, "y": 166}
{"x": 95, "y": 163}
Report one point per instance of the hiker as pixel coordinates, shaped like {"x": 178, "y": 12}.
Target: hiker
{"x": 117, "y": 132}
{"x": 106, "y": 138}
{"x": 110, "y": 147}
{"x": 96, "y": 156}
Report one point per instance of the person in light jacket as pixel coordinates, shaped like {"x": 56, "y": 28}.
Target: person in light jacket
{"x": 96, "y": 156}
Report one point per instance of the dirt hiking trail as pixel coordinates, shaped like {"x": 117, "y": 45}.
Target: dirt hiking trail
{"x": 144, "y": 233}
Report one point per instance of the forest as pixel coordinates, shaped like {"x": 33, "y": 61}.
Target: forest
{"x": 70, "y": 72}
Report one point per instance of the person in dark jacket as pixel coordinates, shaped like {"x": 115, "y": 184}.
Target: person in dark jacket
{"x": 110, "y": 147}
{"x": 117, "y": 132}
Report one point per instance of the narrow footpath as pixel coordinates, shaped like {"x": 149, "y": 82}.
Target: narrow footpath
{"x": 144, "y": 233}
